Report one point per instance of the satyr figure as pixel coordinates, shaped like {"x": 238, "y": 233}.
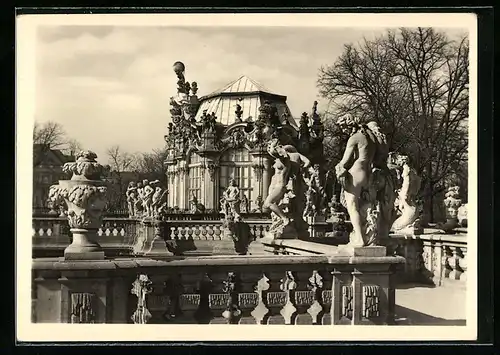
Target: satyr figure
{"x": 244, "y": 204}
{"x": 131, "y": 195}
{"x": 287, "y": 166}
{"x": 147, "y": 198}
{"x": 159, "y": 199}
{"x": 138, "y": 208}
{"x": 366, "y": 182}
{"x": 407, "y": 195}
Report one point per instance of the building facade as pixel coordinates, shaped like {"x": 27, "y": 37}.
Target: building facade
{"x": 221, "y": 136}
{"x": 47, "y": 171}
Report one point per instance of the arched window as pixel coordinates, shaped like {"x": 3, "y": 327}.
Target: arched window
{"x": 237, "y": 164}
{"x": 195, "y": 177}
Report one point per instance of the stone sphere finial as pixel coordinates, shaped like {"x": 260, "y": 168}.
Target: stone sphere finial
{"x": 179, "y": 67}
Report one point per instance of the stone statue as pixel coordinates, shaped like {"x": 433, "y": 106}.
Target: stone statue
{"x": 462, "y": 215}
{"x": 407, "y": 196}
{"x": 138, "y": 206}
{"x": 147, "y": 198}
{"x": 231, "y": 199}
{"x": 159, "y": 199}
{"x": 284, "y": 183}
{"x": 132, "y": 197}
{"x": 258, "y": 205}
{"x": 367, "y": 185}
{"x": 310, "y": 208}
{"x": 196, "y": 207}
{"x": 244, "y": 204}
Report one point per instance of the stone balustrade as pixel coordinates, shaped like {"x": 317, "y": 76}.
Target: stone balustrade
{"x": 433, "y": 256}
{"x": 269, "y": 289}
{"x": 118, "y": 236}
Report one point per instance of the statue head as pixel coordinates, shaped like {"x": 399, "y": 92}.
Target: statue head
{"x": 232, "y": 182}
{"x": 348, "y": 124}
{"x": 145, "y": 182}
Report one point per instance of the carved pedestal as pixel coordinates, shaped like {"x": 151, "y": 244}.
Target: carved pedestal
{"x": 86, "y": 201}
{"x": 151, "y": 238}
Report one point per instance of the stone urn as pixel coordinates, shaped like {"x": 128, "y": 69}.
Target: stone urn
{"x": 452, "y": 203}
{"x": 85, "y": 198}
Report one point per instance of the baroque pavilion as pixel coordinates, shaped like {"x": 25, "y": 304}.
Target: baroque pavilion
{"x": 215, "y": 138}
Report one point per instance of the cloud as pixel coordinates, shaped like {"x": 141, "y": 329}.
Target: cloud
{"x": 110, "y": 85}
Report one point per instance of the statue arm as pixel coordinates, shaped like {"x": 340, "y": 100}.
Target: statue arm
{"x": 348, "y": 154}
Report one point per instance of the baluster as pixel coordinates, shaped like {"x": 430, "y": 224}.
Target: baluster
{"x": 187, "y": 286}
{"x": 462, "y": 263}
{"x": 203, "y": 232}
{"x": 158, "y": 301}
{"x": 248, "y": 296}
{"x": 172, "y": 291}
{"x": 218, "y": 297}
{"x": 205, "y": 287}
{"x": 448, "y": 262}
{"x": 454, "y": 263}
{"x": 437, "y": 263}
{"x": 218, "y": 233}
{"x": 280, "y": 303}
{"x": 210, "y": 232}
{"x": 304, "y": 297}
{"x": 260, "y": 312}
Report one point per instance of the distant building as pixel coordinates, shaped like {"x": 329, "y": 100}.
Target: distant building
{"x": 47, "y": 171}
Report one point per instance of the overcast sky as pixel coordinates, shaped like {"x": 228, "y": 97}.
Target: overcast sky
{"x": 111, "y": 85}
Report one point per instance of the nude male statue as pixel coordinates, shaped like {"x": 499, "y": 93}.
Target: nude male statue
{"x": 287, "y": 164}
{"x": 353, "y": 172}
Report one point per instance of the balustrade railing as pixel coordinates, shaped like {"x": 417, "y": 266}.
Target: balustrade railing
{"x": 318, "y": 289}
{"x": 434, "y": 256}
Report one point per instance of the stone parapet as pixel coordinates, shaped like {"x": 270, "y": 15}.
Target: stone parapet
{"x": 435, "y": 258}
{"x": 268, "y": 289}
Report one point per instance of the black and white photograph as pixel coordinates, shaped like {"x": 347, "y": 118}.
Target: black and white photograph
{"x": 265, "y": 173}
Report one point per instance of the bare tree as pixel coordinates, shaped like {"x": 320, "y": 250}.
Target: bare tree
{"x": 72, "y": 147}
{"x": 48, "y": 136}
{"x": 120, "y": 163}
{"x": 151, "y": 165}
{"x": 414, "y": 83}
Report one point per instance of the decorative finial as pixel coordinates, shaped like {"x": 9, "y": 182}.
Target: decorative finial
{"x": 239, "y": 111}
{"x": 179, "y": 68}
{"x": 194, "y": 88}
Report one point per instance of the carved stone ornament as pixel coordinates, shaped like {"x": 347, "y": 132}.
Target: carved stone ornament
{"x": 371, "y": 301}
{"x": 82, "y": 308}
{"x": 258, "y": 170}
{"x": 141, "y": 287}
{"x": 212, "y": 168}
{"x": 85, "y": 197}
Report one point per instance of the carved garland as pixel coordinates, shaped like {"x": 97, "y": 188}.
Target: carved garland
{"x": 258, "y": 170}
{"x": 212, "y": 168}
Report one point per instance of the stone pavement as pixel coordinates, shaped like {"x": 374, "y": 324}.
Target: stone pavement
{"x": 418, "y": 304}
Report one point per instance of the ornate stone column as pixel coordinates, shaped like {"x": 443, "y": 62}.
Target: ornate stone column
{"x": 210, "y": 183}
{"x": 85, "y": 197}
{"x": 263, "y": 166}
